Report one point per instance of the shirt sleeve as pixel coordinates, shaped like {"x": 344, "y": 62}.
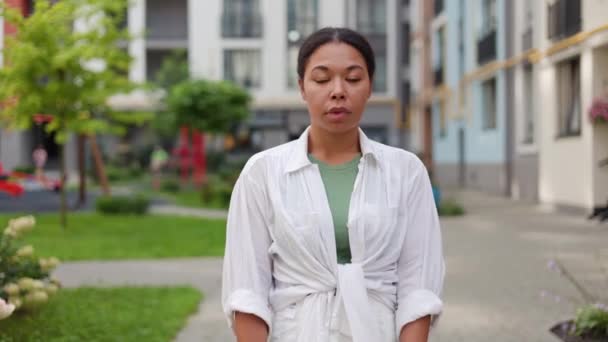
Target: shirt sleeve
{"x": 421, "y": 266}
{"x": 247, "y": 277}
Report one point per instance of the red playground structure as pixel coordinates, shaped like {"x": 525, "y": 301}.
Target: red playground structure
{"x": 13, "y": 189}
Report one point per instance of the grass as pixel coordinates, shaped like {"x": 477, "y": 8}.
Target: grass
{"x": 189, "y": 198}
{"x": 109, "y": 314}
{"x": 97, "y": 237}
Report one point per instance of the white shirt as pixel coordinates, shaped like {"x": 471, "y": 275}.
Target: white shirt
{"x": 280, "y": 261}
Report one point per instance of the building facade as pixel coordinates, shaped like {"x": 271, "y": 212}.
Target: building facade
{"x": 510, "y": 104}
{"x": 254, "y": 43}
{"x": 572, "y": 70}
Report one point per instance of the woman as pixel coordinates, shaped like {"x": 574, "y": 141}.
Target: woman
{"x": 333, "y": 237}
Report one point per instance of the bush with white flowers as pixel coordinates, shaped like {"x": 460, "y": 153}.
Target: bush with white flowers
{"x": 25, "y": 282}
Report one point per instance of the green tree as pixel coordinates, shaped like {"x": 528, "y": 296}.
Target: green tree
{"x": 208, "y": 106}
{"x": 174, "y": 70}
{"x": 65, "y": 61}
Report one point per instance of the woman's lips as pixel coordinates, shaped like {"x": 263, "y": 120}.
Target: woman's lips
{"x": 337, "y": 114}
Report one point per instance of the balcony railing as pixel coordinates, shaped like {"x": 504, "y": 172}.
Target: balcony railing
{"x": 241, "y": 25}
{"x": 438, "y": 76}
{"x": 563, "y": 18}
{"x": 438, "y": 7}
{"x": 486, "y": 47}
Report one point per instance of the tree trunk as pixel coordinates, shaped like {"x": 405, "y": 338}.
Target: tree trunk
{"x": 63, "y": 216}
{"x": 99, "y": 168}
{"x": 82, "y": 178}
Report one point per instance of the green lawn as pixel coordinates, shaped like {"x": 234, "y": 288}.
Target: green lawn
{"x": 113, "y": 314}
{"x": 190, "y": 198}
{"x": 96, "y": 237}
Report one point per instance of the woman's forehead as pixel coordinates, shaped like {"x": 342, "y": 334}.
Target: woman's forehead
{"x": 336, "y": 56}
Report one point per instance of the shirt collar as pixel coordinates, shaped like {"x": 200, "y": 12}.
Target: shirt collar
{"x": 299, "y": 153}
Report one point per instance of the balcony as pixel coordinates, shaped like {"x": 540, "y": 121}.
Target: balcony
{"x": 166, "y": 24}
{"x": 563, "y": 19}
{"x": 236, "y": 24}
{"x": 438, "y": 7}
{"x": 486, "y": 47}
{"x": 438, "y": 76}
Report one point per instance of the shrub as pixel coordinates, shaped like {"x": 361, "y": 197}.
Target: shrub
{"x": 24, "y": 278}
{"x": 116, "y": 173}
{"x": 121, "y": 173}
{"x": 114, "y": 205}
{"x": 450, "y": 208}
{"x": 170, "y": 185}
{"x": 215, "y": 160}
{"x": 27, "y": 169}
{"x": 592, "y": 321}
{"x": 216, "y": 192}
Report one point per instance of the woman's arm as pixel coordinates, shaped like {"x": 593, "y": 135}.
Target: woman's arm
{"x": 416, "y": 331}
{"x": 420, "y": 267}
{"x": 247, "y": 271}
{"x": 249, "y": 328}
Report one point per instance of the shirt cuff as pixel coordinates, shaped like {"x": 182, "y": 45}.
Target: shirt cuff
{"x": 417, "y": 304}
{"x": 247, "y": 301}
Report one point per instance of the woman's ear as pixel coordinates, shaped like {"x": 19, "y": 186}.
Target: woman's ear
{"x": 301, "y": 86}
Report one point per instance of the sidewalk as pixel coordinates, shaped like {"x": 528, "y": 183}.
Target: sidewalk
{"x": 497, "y": 288}
{"x": 169, "y": 209}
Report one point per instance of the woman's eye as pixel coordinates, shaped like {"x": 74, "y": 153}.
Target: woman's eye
{"x": 353, "y": 80}
{"x": 321, "y": 81}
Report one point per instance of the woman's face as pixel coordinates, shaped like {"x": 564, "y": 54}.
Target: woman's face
{"x": 336, "y": 87}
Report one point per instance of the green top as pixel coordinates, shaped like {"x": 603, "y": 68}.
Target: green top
{"x": 339, "y": 181}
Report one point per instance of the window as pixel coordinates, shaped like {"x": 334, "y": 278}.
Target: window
{"x": 380, "y": 74}
{"x": 528, "y": 96}
{"x": 568, "y": 97}
{"x": 461, "y": 37}
{"x": 371, "y": 16}
{"x": 167, "y": 20}
{"x": 301, "y": 22}
{"x": 489, "y": 104}
{"x": 406, "y": 91}
{"x": 488, "y": 17}
{"x": 241, "y": 19}
{"x": 371, "y": 22}
{"x": 243, "y": 67}
{"x": 442, "y": 119}
{"x": 301, "y": 18}
{"x": 440, "y": 56}
{"x": 406, "y": 44}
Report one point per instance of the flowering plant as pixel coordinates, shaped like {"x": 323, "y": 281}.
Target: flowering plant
{"x": 598, "y": 112}
{"x": 24, "y": 279}
{"x": 591, "y": 320}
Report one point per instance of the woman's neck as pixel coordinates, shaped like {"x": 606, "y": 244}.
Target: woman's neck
{"x": 333, "y": 148}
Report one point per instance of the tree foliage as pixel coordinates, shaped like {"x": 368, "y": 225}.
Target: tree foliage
{"x": 65, "y": 60}
{"x": 208, "y": 106}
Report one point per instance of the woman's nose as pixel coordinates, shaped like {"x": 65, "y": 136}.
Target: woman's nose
{"x": 337, "y": 93}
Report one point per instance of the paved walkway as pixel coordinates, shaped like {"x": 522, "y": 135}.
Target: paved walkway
{"x": 498, "y": 287}
{"x": 168, "y": 209}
